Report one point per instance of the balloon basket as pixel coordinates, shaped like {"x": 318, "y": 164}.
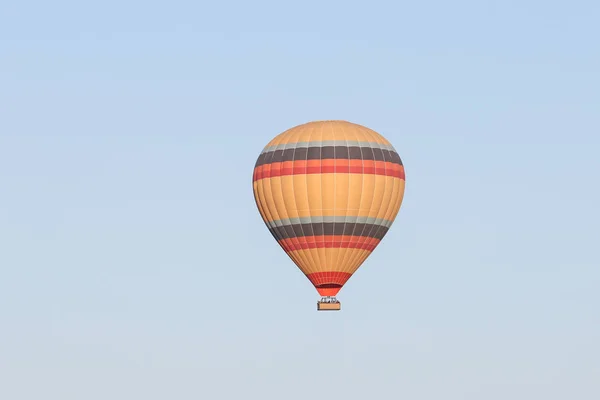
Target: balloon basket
{"x": 329, "y": 304}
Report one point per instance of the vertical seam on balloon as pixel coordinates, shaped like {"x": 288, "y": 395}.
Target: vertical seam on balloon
{"x": 261, "y": 210}
{"x": 398, "y": 202}
{"x": 356, "y": 254}
{"x": 298, "y": 256}
{"x": 336, "y": 266}
{"x": 275, "y": 213}
{"x": 313, "y": 257}
{"x": 344, "y": 251}
{"x": 331, "y": 249}
{"x": 391, "y": 202}
{"x": 290, "y": 238}
{"x": 261, "y": 192}
{"x": 324, "y": 249}
{"x": 255, "y": 185}
{"x": 365, "y": 252}
{"x": 265, "y": 207}
{"x": 400, "y": 196}
{"x": 357, "y": 251}
{"x": 317, "y": 262}
{"x": 304, "y": 255}
{"x": 382, "y": 206}
{"x": 392, "y": 212}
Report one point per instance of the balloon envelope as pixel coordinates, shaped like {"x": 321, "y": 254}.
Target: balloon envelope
{"x": 328, "y": 192}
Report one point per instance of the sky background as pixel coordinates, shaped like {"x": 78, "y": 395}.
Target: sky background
{"x": 133, "y": 261}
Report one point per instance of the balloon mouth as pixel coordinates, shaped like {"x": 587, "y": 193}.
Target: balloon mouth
{"x": 329, "y": 286}
{"x": 328, "y": 283}
{"x": 328, "y": 289}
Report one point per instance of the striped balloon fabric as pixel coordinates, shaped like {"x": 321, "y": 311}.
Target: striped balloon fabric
{"x": 329, "y": 191}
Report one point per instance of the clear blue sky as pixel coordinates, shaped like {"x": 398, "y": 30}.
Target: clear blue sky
{"x": 134, "y": 264}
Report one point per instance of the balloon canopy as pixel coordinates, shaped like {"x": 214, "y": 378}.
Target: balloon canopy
{"x": 328, "y": 192}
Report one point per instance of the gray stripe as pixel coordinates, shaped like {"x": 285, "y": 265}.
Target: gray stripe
{"x": 346, "y": 143}
{"x": 341, "y": 219}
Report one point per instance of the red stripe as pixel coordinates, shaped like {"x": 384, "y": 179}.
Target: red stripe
{"x": 328, "y": 166}
{"x": 329, "y": 242}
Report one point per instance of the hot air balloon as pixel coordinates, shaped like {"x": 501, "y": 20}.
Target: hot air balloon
{"x": 328, "y": 191}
